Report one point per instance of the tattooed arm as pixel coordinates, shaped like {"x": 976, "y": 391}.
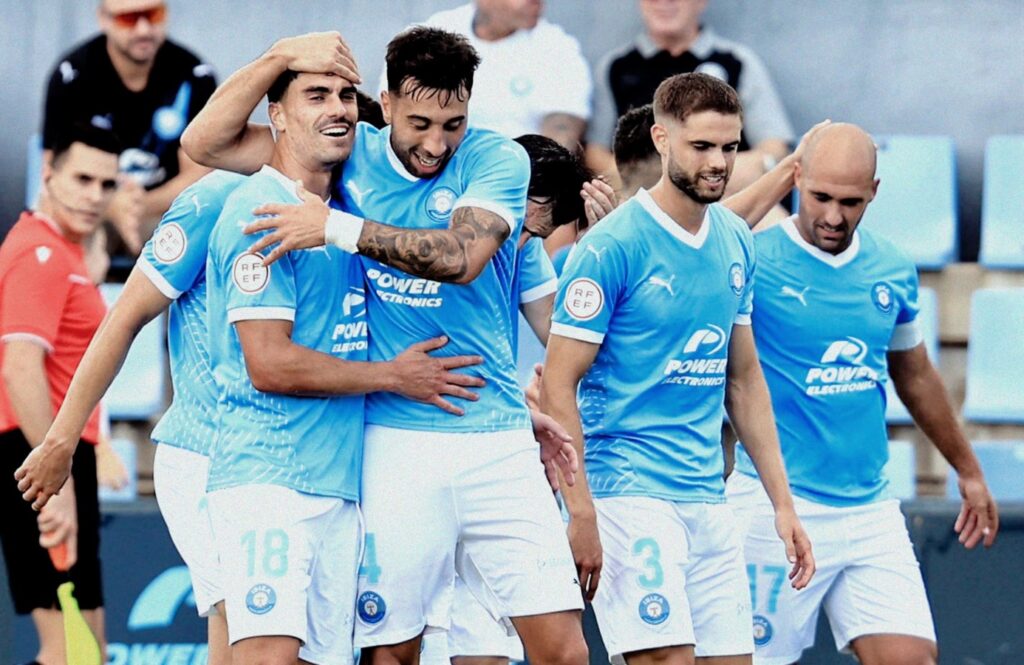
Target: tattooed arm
{"x": 456, "y": 254}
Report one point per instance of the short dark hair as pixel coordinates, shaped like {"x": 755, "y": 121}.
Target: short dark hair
{"x": 280, "y": 85}
{"x": 88, "y": 134}
{"x": 434, "y": 60}
{"x": 555, "y": 173}
{"x": 633, "y": 143}
{"x": 369, "y": 110}
{"x": 682, "y": 95}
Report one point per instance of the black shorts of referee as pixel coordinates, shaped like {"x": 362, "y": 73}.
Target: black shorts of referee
{"x": 30, "y": 573}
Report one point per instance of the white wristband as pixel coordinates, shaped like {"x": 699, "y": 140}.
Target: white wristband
{"x": 343, "y": 230}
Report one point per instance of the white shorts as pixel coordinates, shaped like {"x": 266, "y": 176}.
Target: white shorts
{"x": 440, "y": 502}
{"x": 289, "y": 564}
{"x": 473, "y": 632}
{"x": 867, "y": 578}
{"x": 673, "y": 575}
{"x": 179, "y": 478}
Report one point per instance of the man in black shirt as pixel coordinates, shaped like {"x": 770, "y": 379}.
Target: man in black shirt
{"x": 146, "y": 88}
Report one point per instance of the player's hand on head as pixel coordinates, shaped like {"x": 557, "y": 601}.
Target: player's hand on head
{"x": 798, "y": 547}
{"x": 599, "y": 199}
{"x": 43, "y": 473}
{"x": 808, "y": 136}
{"x": 587, "y": 553}
{"x": 556, "y": 449}
{"x": 319, "y": 53}
{"x": 289, "y": 227}
{"x": 429, "y": 379}
{"x": 978, "y": 520}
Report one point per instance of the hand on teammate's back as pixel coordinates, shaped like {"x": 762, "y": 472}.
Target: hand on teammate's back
{"x": 424, "y": 378}
{"x": 978, "y": 520}
{"x": 798, "y": 547}
{"x": 43, "y": 473}
{"x": 319, "y": 53}
{"x": 533, "y": 390}
{"x": 291, "y": 227}
{"x": 556, "y": 449}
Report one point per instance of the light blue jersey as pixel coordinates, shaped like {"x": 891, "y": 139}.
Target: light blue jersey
{"x": 174, "y": 260}
{"x": 535, "y": 279}
{"x": 309, "y": 444}
{"x": 823, "y": 325}
{"x": 490, "y": 172}
{"x": 661, "y": 302}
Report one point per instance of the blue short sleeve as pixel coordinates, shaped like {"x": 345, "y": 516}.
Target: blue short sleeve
{"x": 589, "y": 289}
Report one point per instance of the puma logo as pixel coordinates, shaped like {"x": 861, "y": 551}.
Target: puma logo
{"x": 357, "y": 193}
{"x": 596, "y": 252}
{"x": 199, "y": 206}
{"x": 658, "y": 281}
{"x": 793, "y": 293}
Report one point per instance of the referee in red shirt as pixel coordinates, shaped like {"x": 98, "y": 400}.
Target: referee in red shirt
{"x": 49, "y": 311}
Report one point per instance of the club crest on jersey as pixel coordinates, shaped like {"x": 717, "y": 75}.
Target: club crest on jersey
{"x": 170, "y": 243}
{"x": 737, "y": 279}
{"x": 371, "y": 607}
{"x": 763, "y": 630}
{"x": 261, "y": 599}
{"x": 654, "y": 609}
{"x": 881, "y": 294}
{"x": 584, "y": 299}
{"x": 249, "y": 274}
{"x": 440, "y": 203}
{"x": 520, "y": 86}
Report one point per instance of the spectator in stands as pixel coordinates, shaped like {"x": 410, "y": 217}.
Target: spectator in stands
{"x": 674, "y": 42}
{"x": 532, "y": 77}
{"x": 49, "y": 310}
{"x": 144, "y": 87}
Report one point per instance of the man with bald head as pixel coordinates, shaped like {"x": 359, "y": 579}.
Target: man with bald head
{"x": 835, "y": 308}
{"x": 131, "y": 79}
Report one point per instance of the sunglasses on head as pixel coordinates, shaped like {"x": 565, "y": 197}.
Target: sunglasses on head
{"x": 154, "y": 16}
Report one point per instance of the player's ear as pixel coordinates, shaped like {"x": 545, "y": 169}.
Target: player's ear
{"x": 659, "y": 135}
{"x": 385, "y": 106}
{"x": 277, "y": 116}
{"x": 874, "y": 188}
{"x": 798, "y": 174}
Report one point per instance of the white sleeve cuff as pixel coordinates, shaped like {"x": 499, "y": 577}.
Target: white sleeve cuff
{"x": 489, "y": 206}
{"x": 572, "y": 332}
{"x": 261, "y": 314}
{"x": 159, "y": 281}
{"x": 27, "y": 337}
{"x": 906, "y": 336}
{"x": 742, "y": 320}
{"x": 343, "y": 230}
{"x": 538, "y": 292}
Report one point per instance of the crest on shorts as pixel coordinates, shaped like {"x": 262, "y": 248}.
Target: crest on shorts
{"x": 440, "y": 203}
{"x": 261, "y": 599}
{"x": 371, "y": 607}
{"x": 762, "y": 630}
{"x": 881, "y": 294}
{"x": 654, "y": 609}
{"x": 737, "y": 279}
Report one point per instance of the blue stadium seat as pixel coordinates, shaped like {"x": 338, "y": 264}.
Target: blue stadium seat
{"x": 928, "y": 316}
{"x": 125, "y": 449}
{"x": 138, "y": 391}
{"x": 33, "y": 169}
{"x": 1002, "y": 205}
{"x": 995, "y": 360}
{"x": 1003, "y": 465}
{"x": 916, "y": 205}
{"x": 901, "y": 470}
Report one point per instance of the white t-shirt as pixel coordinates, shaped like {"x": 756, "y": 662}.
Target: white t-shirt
{"x": 523, "y": 77}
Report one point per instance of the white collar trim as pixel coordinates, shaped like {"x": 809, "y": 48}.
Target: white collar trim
{"x": 395, "y": 162}
{"x": 286, "y": 182}
{"x": 694, "y": 240}
{"x": 835, "y": 260}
